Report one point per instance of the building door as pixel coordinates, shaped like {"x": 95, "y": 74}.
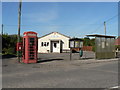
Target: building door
{"x": 55, "y": 46}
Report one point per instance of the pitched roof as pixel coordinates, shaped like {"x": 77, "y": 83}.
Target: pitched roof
{"x": 78, "y": 39}
{"x": 97, "y": 35}
{"x": 117, "y": 41}
{"x": 54, "y": 32}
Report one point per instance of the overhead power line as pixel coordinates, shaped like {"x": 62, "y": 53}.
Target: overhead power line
{"x": 98, "y": 28}
{"x": 53, "y": 25}
{"x": 111, "y": 18}
{"x": 69, "y": 25}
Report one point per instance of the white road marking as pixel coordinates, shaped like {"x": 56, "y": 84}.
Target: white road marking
{"x": 115, "y": 87}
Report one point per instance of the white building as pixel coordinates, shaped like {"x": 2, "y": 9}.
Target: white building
{"x": 53, "y": 43}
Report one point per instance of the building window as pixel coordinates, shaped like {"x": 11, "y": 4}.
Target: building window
{"x": 41, "y": 43}
{"x": 47, "y": 43}
{"x": 44, "y": 44}
{"x": 55, "y": 45}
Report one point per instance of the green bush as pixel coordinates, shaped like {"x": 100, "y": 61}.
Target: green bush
{"x": 93, "y": 49}
{"x": 88, "y": 41}
{"x": 117, "y": 46}
{"x": 9, "y": 44}
{"x": 9, "y": 50}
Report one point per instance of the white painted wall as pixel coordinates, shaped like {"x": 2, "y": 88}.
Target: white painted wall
{"x": 52, "y": 36}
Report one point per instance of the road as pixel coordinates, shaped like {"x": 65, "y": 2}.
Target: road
{"x": 59, "y": 73}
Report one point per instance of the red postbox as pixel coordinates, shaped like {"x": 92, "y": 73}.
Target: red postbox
{"x": 29, "y": 47}
{"x": 19, "y": 46}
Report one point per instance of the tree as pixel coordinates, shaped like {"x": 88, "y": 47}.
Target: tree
{"x": 86, "y": 41}
{"x": 9, "y": 44}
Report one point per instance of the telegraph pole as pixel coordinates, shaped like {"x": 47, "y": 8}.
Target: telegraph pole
{"x": 19, "y": 22}
{"x": 105, "y": 27}
{"x": 2, "y": 30}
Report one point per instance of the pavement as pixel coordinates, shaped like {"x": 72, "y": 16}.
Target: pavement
{"x": 58, "y": 71}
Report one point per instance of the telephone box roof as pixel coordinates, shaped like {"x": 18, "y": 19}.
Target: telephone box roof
{"x": 31, "y": 32}
{"x": 97, "y": 35}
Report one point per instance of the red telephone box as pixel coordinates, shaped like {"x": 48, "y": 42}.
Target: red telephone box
{"x": 29, "y": 47}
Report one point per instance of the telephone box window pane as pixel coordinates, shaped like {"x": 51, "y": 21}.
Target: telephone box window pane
{"x": 31, "y": 55}
{"x": 31, "y": 58}
{"x": 31, "y": 47}
{"x": 31, "y": 52}
{"x": 32, "y": 39}
{"x": 31, "y": 43}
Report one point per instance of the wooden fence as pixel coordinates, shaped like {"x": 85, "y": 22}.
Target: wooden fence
{"x": 87, "y": 48}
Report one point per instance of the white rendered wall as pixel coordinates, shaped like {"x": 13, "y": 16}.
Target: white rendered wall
{"x": 52, "y": 36}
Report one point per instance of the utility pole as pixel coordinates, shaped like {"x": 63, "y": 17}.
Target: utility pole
{"x": 19, "y": 22}
{"x": 105, "y": 27}
{"x": 105, "y": 31}
{"x": 2, "y": 30}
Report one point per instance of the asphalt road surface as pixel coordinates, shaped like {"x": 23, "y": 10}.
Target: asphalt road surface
{"x": 57, "y": 71}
